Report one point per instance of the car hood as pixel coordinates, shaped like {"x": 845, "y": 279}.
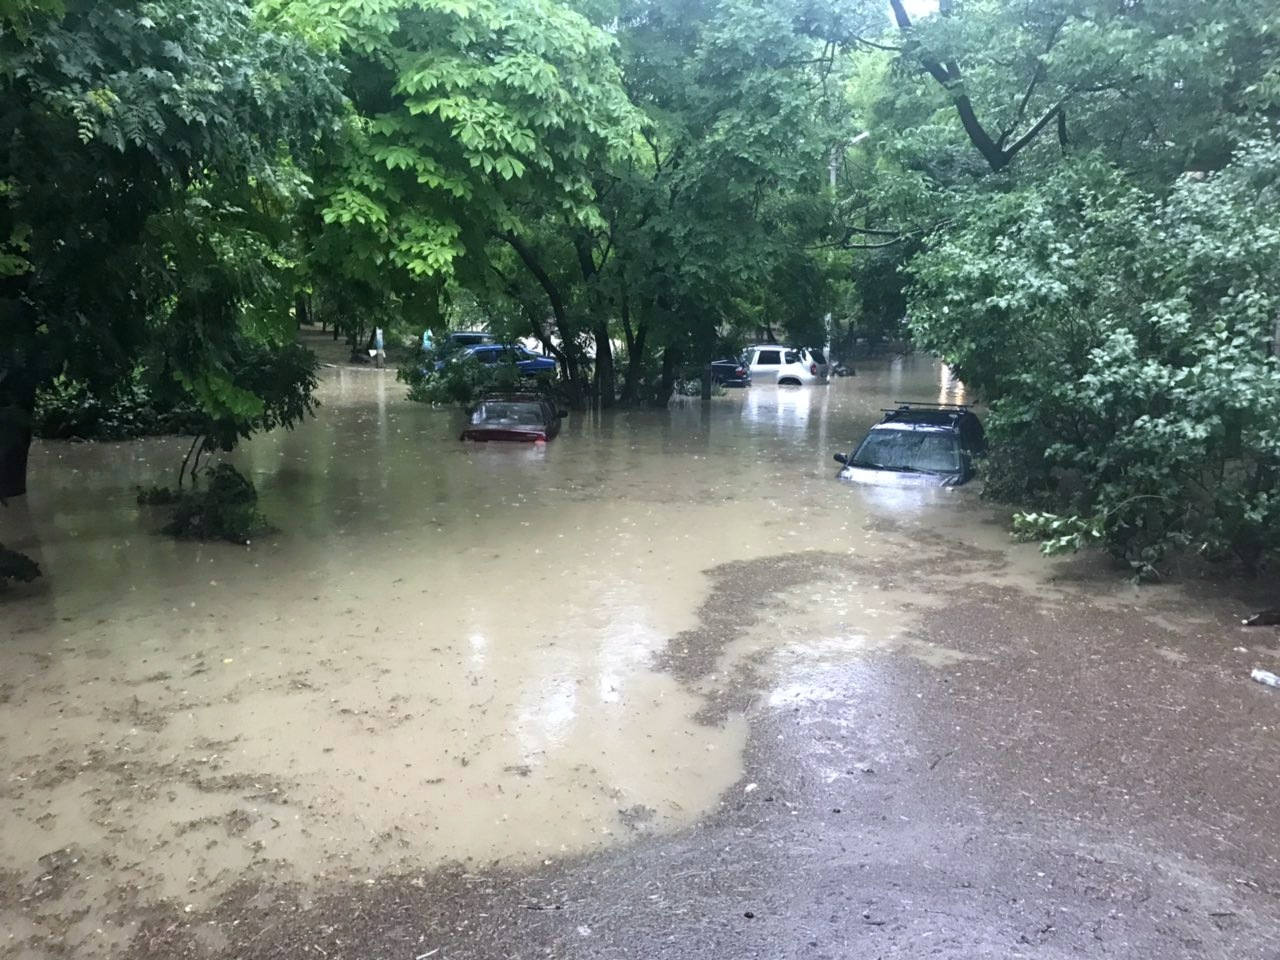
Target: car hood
{"x": 890, "y": 478}
{"x": 479, "y": 431}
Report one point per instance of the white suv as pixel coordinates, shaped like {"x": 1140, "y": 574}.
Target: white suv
{"x": 785, "y": 366}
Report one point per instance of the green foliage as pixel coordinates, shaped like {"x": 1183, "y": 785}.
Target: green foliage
{"x": 226, "y": 508}
{"x": 67, "y": 409}
{"x": 271, "y": 386}
{"x": 153, "y": 162}
{"x": 157, "y": 496}
{"x": 1125, "y": 338}
{"x": 462, "y": 109}
{"x": 16, "y": 567}
{"x": 463, "y": 380}
{"x": 1083, "y": 198}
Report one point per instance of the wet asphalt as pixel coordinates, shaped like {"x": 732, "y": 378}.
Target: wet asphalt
{"x": 1093, "y": 784}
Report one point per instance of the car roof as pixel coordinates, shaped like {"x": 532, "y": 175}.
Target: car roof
{"x": 886, "y": 425}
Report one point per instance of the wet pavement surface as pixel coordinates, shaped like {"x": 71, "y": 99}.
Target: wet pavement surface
{"x": 661, "y": 689}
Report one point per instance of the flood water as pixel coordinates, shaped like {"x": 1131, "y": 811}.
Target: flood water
{"x": 448, "y": 652}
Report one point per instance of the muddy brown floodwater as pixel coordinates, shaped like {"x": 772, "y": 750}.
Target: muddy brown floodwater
{"x": 661, "y": 688}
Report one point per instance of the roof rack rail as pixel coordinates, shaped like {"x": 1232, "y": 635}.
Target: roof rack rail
{"x": 908, "y": 404}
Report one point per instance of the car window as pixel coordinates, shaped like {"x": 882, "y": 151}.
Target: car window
{"x": 769, "y": 358}
{"x": 485, "y": 356}
{"x": 792, "y": 357}
{"x": 501, "y": 412}
{"x": 929, "y": 450}
{"x": 818, "y": 356}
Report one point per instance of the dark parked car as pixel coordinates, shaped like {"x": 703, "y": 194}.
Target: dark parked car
{"x": 513, "y": 416}
{"x": 731, "y": 373}
{"x": 530, "y": 364}
{"x": 917, "y": 444}
{"x": 469, "y": 338}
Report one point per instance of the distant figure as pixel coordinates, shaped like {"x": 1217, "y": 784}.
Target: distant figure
{"x": 427, "y": 343}
{"x": 380, "y": 354}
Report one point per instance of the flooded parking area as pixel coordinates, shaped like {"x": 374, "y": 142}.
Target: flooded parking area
{"x": 459, "y": 667}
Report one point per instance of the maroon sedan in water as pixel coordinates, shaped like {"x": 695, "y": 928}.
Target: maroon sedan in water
{"x": 513, "y": 417}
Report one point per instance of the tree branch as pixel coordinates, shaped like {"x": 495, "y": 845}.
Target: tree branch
{"x": 875, "y": 45}
{"x": 530, "y": 260}
{"x": 1022, "y": 106}
{"x": 1030, "y": 135}
{"x": 949, "y": 77}
{"x": 900, "y": 15}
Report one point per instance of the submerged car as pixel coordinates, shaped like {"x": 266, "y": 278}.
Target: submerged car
{"x": 530, "y": 364}
{"x": 519, "y": 417}
{"x": 816, "y": 356}
{"x": 785, "y": 366}
{"x": 731, "y": 373}
{"x": 917, "y": 444}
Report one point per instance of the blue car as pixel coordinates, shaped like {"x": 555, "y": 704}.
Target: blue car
{"x": 530, "y": 364}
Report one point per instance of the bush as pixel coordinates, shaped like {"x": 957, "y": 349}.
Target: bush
{"x": 1124, "y": 341}
{"x": 16, "y": 567}
{"x": 70, "y": 410}
{"x": 226, "y": 509}
{"x": 463, "y": 381}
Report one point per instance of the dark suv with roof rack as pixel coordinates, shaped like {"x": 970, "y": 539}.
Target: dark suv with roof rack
{"x": 918, "y": 444}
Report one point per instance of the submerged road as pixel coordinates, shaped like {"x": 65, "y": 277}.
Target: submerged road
{"x": 662, "y": 690}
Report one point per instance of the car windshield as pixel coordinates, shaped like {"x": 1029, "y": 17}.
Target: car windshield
{"x": 933, "y": 451}
{"x": 507, "y": 413}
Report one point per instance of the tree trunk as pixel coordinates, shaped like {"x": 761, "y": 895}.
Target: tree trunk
{"x": 606, "y": 380}
{"x": 577, "y": 389}
{"x": 300, "y": 310}
{"x": 635, "y": 365}
{"x": 669, "y": 359}
{"x": 17, "y": 406}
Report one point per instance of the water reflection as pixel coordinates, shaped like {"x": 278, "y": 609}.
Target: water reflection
{"x": 950, "y": 389}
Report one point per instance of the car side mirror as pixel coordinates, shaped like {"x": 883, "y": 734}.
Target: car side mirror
{"x": 841, "y": 458}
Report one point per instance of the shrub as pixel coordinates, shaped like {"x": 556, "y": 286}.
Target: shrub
{"x": 16, "y": 567}
{"x": 462, "y": 381}
{"x": 1124, "y": 341}
{"x": 70, "y": 410}
{"x": 225, "y": 509}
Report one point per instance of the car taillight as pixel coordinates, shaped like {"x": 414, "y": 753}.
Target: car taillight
{"x": 739, "y": 372}
{"x": 813, "y": 369}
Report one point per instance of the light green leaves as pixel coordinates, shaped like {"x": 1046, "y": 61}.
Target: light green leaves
{"x": 465, "y": 108}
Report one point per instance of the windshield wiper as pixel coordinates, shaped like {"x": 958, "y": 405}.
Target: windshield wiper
{"x": 868, "y": 465}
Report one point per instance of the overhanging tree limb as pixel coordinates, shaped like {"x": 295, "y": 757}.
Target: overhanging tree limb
{"x": 949, "y": 77}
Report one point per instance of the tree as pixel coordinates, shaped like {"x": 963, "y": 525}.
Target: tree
{"x": 142, "y": 142}
{"x": 1113, "y": 299}
{"x": 1171, "y": 86}
{"x": 706, "y": 223}
{"x": 467, "y": 116}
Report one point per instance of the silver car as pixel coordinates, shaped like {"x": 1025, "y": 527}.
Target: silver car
{"x": 784, "y": 366}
